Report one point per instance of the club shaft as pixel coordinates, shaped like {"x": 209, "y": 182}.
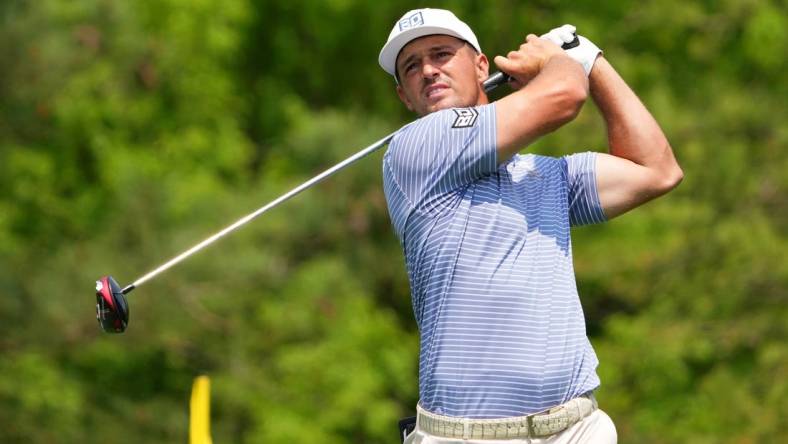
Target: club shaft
{"x": 495, "y": 80}
{"x": 249, "y": 217}
{"x": 491, "y": 83}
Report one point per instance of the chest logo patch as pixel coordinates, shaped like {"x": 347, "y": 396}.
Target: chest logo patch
{"x": 466, "y": 118}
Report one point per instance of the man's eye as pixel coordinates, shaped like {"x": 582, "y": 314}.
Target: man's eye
{"x": 410, "y": 67}
{"x": 444, "y": 54}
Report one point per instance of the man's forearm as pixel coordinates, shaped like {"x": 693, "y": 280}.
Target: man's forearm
{"x": 633, "y": 133}
{"x": 550, "y": 99}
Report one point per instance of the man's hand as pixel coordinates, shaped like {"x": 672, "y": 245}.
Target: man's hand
{"x": 525, "y": 63}
{"x": 585, "y": 53}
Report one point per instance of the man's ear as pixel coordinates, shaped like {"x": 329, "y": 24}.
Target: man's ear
{"x": 403, "y": 97}
{"x": 482, "y": 67}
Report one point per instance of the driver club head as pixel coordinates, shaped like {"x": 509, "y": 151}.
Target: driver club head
{"x": 112, "y": 311}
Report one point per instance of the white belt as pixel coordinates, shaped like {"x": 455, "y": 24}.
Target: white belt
{"x": 549, "y": 422}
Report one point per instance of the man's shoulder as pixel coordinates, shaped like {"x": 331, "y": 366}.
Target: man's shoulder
{"x": 535, "y": 161}
{"x": 415, "y": 134}
{"x": 432, "y": 120}
{"x": 539, "y": 166}
{"x": 441, "y": 121}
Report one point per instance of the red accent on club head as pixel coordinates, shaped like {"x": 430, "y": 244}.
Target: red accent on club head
{"x": 106, "y": 292}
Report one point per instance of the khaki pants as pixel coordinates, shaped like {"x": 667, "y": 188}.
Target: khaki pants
{"x": 596, "y": 428}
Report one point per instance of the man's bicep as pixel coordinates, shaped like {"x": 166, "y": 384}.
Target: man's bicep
{"x": 622, "y": 184}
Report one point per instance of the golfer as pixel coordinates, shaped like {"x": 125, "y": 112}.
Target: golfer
{"x": 486, "y": 231}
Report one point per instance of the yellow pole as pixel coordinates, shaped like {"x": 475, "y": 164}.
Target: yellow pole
{"x": 200, "y": 411}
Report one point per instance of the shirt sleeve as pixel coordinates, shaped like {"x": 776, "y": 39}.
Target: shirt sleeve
{"x": 442, "y": 153}
{"x": 584, "y": 205}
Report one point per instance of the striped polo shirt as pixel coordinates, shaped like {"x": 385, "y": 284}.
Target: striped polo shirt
{"x": 489, "y": 260}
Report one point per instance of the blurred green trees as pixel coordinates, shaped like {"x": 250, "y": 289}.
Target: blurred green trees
{"x": 131, "y": 130}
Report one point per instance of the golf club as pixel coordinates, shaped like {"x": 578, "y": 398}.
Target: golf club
{"x": 112, "y": 310}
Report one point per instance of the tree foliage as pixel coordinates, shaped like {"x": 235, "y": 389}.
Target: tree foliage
{"x": 131, "y": 130}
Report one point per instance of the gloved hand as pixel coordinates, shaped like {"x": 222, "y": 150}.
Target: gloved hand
{"x": 585, "y": 53}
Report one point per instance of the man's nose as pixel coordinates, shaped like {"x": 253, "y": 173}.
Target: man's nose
{"x": 429, "y": 70}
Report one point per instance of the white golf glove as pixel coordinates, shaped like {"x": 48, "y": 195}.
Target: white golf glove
{"x": 585, "y": 53}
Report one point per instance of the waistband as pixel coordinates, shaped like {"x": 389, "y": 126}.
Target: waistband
{"x": 546, "y": 423}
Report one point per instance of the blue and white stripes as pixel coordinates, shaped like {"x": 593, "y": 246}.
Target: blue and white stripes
{"x": 489, "y": 261}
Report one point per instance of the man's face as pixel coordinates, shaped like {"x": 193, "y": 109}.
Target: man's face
{"x": 438, "y": 72}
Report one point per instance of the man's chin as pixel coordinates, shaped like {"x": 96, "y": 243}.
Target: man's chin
{"x": 440, "y": 105}
{"x": 446, "y": 103}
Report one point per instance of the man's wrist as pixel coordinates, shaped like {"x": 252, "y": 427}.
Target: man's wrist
{"x": 594, "y": 71}
{"x": 599, "y": 72}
